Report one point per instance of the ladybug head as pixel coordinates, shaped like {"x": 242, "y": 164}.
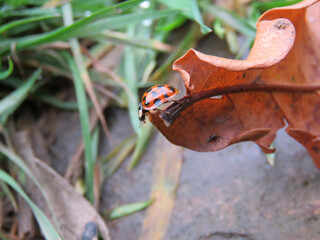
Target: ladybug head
{"x": 141, "y": 113}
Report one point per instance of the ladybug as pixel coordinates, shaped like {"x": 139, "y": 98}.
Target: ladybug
{"x": 154, "y": 97}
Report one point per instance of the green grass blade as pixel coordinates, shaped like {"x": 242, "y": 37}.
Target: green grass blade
{"x": 197, "y": 16}
{"x": 21, "y": 164}
{"x": 126, "y": 148}
{"x": 190, "y": 9}
{"x": 20, "y": 22}
{"x": 142, "y": 142}
{"x": 129, "y": 209}
{"x": 71, "y": 106}
{"x": 95, "y": 142}
{"x": 46, "y": 226}
{"x": 230, "y": 18}
{"x": 7, "y": 73}
{"x": 264, "y": 6}
{"x": 85, "y": 126}
{"x": 131, "y": 79}
{"x": 25, "y": 12}
{"x": 122, "y": 38}
{"x": 67, "y": 32}
{"x": 11, "y": 102}
{"x": 91, "y": 29}
{"x": 10, "y": 196}
{"x": 120, "y": 21}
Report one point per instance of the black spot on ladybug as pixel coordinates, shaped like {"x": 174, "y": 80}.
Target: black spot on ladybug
{"x": 154, "y": 94}
{"x": 166, "y": 96}
{"x": 146, "y": 103}
{"x": 156, "y": 101}
{"x": 172, "y": 89}
{"x": 144, "y": 98}
{"x": 160, "y": 86}
{"x": 149, "y": 90}
{"x": 212, "y": 138}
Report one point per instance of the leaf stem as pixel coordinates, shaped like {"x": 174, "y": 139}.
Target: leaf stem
{"x": 173, "y": 111}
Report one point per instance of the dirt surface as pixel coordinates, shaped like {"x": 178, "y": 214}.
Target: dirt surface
{"x": 231, "y": 194}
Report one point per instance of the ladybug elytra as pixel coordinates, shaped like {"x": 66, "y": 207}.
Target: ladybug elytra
{"x": 154, "y": 97}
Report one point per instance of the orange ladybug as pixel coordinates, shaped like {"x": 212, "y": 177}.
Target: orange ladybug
{"x": 154, "y": 97}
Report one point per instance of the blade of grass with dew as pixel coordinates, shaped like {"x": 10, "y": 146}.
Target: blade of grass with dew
{"x": 231, "y": 19}
{"x": 189, "y": 9}
{"x": 85, "y": 127}
{"x": 20, "y": 22}
{"x": 76, "y": 51}
{"x": 11, "y": 102}
{"x": 120, "y": 21}
{"x": 113, "y": 164}
{"x": 6, "y": 73}
{"x": 46, "y": 226}
{"x": 129, "y": 209}
{"x": 66, "y": 32}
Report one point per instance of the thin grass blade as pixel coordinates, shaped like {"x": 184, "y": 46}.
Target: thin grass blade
{"x": 11, "y": 102}
{"x": 85, "y": 127}
{"x": 7, "y": 73}
{"x": 113, "y": 164}
{"x": 142, "y": 143}
{"x": 20, "y": 22}
{"x": 129, "y": 209}
{"x": 46, "y": 226}
{"x": 231, "y": 19}
{"x": 76, "y": 51}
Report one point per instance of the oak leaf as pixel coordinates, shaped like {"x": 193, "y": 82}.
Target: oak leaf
{"x": 275, "y": 85}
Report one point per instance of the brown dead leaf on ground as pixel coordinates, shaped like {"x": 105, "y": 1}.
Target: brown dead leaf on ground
{"x": 75, "y": 216}
{"x": 276, "y": 83}
{"x": 166, "y": 175}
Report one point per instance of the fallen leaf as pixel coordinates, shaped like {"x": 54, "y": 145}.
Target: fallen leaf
{"x": 26, "y": 225}
{"x": 75, "y": 216}
{"x": 277, "y": 83}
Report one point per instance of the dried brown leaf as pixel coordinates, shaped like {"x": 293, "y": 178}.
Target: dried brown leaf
{"x": 74, "y": 214}
{"x": 278, "y": 82}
